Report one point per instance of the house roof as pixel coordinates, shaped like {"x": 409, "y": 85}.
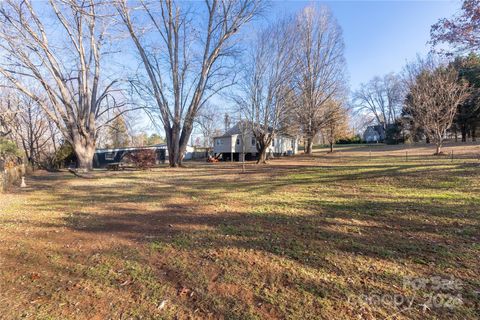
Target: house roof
{"x": 235, "y": 130}
{"x": 156, "y": 146}
{"x": 378, "y": 128}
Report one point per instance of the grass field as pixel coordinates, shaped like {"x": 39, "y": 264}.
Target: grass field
{"x": 349, "y": 235}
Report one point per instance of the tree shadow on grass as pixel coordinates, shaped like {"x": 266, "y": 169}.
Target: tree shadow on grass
{"x": 307, "y": 241}
{"x": 189, "y": 239}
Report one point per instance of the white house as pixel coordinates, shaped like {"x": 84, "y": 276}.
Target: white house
{"x": 230, "y": 145}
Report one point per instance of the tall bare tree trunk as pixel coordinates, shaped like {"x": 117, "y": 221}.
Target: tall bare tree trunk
{"x": 173, "y": 143}
{"x": 84, "y": 149}
{"x": 331, "y": 139}
{"x": 177, "y": 140}
{"x": 474, "y": 133}
{"x": 262, "y": 152}
{"x": 262, "y": 156}
{"x": 243, "y": 162}
{"x": 32, "y": 159}
{"x": 85, "y": 157}
{"x": 184, "y": 138}
{"x": 438, "y": 140}
{"x": 439, "y": 148}
{"x": 309, "y": 147}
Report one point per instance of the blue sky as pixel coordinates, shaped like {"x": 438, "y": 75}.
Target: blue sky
{"x": 380, "y": 36}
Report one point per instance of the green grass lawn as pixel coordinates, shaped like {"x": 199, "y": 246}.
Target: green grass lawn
{"x": 326, "y": 237}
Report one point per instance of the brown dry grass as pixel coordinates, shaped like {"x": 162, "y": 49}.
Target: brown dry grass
{"x": 300, "y": 238}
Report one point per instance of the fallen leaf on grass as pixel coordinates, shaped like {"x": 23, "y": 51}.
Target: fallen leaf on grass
{"x": 185, "y": 292}
{"x": 125, "y": 283}
{"x": 34, "y": 276}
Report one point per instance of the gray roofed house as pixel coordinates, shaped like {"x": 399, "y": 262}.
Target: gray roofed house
{"x": 374, "y": 134}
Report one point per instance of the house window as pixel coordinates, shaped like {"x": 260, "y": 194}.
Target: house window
{"x": 238, "y": 141}
{"x": 218, "y": 142}
{"x": 273, "y": 142}
{"x": 109, "y": 155}
{"x": 253, "y": 141}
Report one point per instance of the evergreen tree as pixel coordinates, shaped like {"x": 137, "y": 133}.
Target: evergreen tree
{"x": 154, "y": 139}
{"x": 117, "y": 133}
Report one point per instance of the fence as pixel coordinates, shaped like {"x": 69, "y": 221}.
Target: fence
{"x": 10, "y": 176}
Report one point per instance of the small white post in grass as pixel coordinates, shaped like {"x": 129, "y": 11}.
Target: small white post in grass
{"x": 23, "y": 185}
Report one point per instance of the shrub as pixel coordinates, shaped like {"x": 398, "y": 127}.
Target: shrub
{"x": 142, "y": 159}
{"x": 350, "y": 140}
{"x": 10, "y": 155}
{"x": 55, "y": 160}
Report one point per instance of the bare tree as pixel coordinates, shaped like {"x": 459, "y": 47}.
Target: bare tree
{"x": 62, "y": 56}
{"x": 26, "y": 124}
{"x": 185, "y": 56}
{"x": 382, "y": 98}
{"x": 5, "y": 125}
{"x": 320, "y": 69}
{"x": 460, "y": 31}
{"x": 208, "y": 121}
{"x": 267, "y": 84}
{"x": 360, "y": 122}
{"x": 29, "y": 127}
{"x": 434, "y": 93}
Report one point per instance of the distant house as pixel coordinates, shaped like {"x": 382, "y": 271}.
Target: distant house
{"x": 229, "y": 145}
{"x": 104, "y": 157}
{"x": 374, "y": 134}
